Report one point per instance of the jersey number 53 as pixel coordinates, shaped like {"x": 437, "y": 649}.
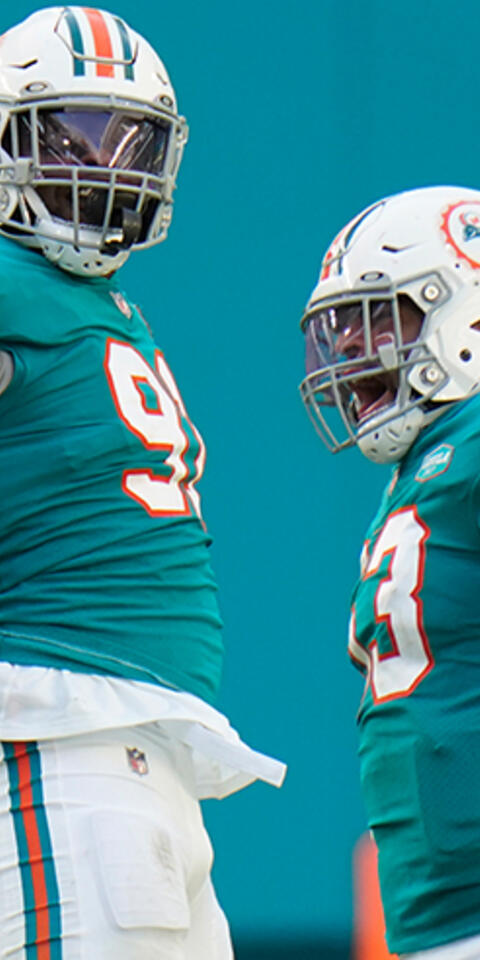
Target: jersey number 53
{"x": 406, "y": 659}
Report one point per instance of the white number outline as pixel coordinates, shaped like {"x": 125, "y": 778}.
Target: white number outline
{"x": 382, "y": 667}
{"x": 159, "y": 496}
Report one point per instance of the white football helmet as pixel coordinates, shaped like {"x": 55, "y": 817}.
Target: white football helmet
{"x": 393, "y": 326}
{"x": 90, "y": 139}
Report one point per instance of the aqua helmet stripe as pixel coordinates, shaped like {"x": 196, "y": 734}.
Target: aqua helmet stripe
{"x": 78, "y": 49}
{"x": 127, "y": 49}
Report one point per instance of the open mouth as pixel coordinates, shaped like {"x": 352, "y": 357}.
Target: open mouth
{"x": 373, "y": 394}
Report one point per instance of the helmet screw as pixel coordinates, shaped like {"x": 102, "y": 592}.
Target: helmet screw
{"x": 431, "y": 292}
{"x": 465, "y": 355}
{"x": 429, "y": 374}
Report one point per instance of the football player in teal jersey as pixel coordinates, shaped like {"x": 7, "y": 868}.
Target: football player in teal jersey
{"x": 110, "y": 635}
{"x": 393, "y": 366}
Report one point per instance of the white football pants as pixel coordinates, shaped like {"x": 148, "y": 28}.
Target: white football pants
{"x": 465, "y": 949}
{"x": 103, "y": 852}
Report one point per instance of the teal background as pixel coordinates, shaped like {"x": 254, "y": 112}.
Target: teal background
{"x": 301, "y": 113}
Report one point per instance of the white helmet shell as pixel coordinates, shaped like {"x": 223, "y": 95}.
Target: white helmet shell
{"x": 79, "y": 58}
{"x": 425, "y": 245}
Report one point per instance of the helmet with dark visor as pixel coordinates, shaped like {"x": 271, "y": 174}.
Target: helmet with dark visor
{"x": 94, "y": 167}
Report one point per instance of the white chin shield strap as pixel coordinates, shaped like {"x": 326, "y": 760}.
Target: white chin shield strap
{"x": 389, "y": 442}
{"x": 56, "y": 240}
{"x": 85, "y": 261}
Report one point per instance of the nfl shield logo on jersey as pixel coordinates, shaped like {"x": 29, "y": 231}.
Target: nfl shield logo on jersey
{"x": 122, "y": 304}
{"x": 137, "y": 761}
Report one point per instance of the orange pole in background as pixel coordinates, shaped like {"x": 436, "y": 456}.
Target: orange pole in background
{"x": 369, "y": 925}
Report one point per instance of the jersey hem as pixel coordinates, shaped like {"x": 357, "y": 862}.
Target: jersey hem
{"x": 406, "y": 948}
{"x": 101, "y": 665}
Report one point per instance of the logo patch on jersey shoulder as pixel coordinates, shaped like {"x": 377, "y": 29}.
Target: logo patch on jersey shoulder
{"x": 122, "y": 303}
{"x": 435, "y": 463}
{"x": 137, "y": 761}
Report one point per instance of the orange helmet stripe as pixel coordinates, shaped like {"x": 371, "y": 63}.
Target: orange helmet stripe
{"x": 103, "y": 43}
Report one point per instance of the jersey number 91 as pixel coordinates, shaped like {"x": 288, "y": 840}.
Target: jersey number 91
{"x": 160, "y": 429}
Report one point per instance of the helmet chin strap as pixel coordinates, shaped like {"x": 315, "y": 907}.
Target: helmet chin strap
{"x": 129, "y": 224}
{"x": 124, "y": 230}
{"x": 56, "y": 240}
{"x": 389, "y": 442}
{"x": 386, "y": 438}
{"x": 83, "y": 263}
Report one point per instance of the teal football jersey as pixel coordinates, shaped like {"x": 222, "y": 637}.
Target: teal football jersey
{"x": 415, "y": 629}
{"x": 104, "y": 559}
